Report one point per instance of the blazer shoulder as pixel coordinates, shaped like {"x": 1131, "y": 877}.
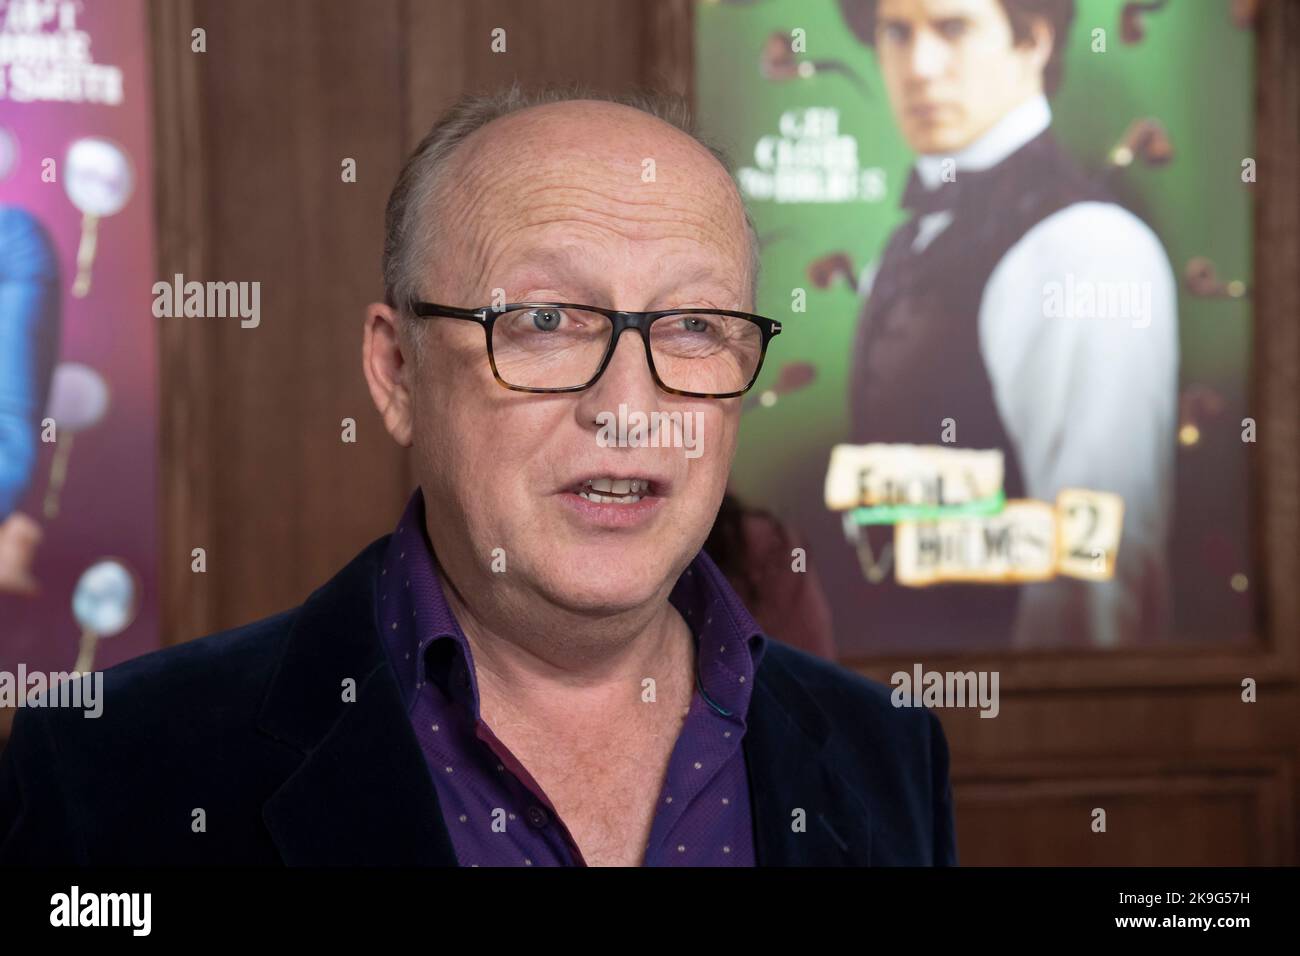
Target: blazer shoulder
{"x": 846, "y": 696}
{"x": 240, "y": 661}
{"x": 184, "y": 692}
{"x": 180, "y": 727}
{"x": 79, "y": 783}
{"x": 226, "y": 662}
{"x": 220, "y": 680}
{"x": 895, "y": 758}
{"x": 867, "y": 730}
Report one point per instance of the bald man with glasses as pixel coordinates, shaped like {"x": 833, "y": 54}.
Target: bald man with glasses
{"x": 540, "y": 666}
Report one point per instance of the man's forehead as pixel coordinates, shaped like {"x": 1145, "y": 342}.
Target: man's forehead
{"x": 589, "y": 172}
{"x": 933, "y": 9}
{"x": 702, "y": 268}
{"x": 580, "y": 142}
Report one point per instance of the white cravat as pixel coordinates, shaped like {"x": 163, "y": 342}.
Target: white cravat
{"x": 1005, "y": 137}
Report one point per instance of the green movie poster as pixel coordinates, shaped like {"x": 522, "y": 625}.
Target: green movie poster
{"x": 1009, "y": 243}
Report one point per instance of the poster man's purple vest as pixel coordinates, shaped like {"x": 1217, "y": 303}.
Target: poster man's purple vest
{"x": 917, "y": 362}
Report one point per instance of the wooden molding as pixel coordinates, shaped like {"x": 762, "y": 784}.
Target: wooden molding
{"x": 184, "y": 376}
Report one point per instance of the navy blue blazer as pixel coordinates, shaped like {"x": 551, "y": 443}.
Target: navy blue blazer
{"x": 250, "y": 726}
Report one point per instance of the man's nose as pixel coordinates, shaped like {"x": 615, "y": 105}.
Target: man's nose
{"x": 626, "y": 380}
{"x": 929, "y": 55}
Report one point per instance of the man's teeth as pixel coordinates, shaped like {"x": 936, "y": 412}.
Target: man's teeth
{"x": 617, "y": 491}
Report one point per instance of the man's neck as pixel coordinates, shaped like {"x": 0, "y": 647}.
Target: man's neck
{"x": 557, "y": 676}
{"x": 1016, "y": 128}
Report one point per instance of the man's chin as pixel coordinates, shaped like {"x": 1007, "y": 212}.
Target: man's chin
{"x": 600, "y": 581}
{"x": 932, "y": 141}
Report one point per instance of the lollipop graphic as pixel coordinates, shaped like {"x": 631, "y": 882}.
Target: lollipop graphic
{"x": 78, "y": 400}
{"x": 778, "y": 62}
{"x": 1145, "y": 139}
{"x": 1202, "y": 278}
{"x": 98, "y": 179}
{"x": 104, "y": 603}
{"x": 792, "y": 377}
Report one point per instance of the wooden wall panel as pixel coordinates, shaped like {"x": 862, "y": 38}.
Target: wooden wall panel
{"x": 251, "y": 137}
{"x": 1214, "y": 815}
{"x": 610, "y": 44}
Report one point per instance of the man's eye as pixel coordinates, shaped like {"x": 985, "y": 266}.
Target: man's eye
{"x": 895, "y": 33}
{"x": 694, "y": 323}
{"x": 546, "y": 320}
{"x": 953, "y": 29}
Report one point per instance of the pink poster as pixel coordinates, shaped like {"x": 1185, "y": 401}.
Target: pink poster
{"x": 78, "y": 360}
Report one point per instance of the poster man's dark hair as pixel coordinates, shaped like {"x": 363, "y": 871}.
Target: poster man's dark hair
{"x": 860, "y": 15}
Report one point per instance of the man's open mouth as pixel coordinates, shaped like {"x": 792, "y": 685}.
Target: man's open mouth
{"x": 614, "y": 491}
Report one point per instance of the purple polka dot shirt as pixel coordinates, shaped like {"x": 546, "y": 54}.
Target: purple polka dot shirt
{"x": 494, "y": 811}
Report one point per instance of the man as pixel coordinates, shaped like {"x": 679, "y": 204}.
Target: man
{"x": 29, "y": 344}
{"x": 961, "y": 322}
{"x": 539, "y": 666}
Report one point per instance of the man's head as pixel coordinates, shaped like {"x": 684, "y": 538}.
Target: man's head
{"x": 555, "y": 198}
{"x": 953, "y": 68}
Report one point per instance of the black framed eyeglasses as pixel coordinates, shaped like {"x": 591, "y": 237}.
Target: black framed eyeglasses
{"x": 562, "y": 347}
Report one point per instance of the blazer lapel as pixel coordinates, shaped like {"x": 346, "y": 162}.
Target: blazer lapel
{"x": 785, "y": 739}
{"x": 362, "y": 792}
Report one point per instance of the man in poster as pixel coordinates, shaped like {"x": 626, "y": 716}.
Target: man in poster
{"x": 967, "y": 319}
{"x": 29, "y": 345}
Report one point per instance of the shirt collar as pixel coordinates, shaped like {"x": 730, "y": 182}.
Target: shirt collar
{"x": 413, "y": 615}
{"x": 425, "y": 641}
{"x": 1007, "y": 135}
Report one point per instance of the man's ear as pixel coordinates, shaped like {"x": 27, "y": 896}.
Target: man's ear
{"x": 1042, "y": 39}
{"x": 389, "y": 371}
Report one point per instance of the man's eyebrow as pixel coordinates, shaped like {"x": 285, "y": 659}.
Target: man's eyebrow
{"x": 885, "y": 23}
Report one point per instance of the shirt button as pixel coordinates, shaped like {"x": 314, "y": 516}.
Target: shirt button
{"x": 538, "y": 817}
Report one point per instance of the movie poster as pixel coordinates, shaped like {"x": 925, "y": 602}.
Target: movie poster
{"x": 1011, "y": 403}
{"x": 78, "y": 355}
